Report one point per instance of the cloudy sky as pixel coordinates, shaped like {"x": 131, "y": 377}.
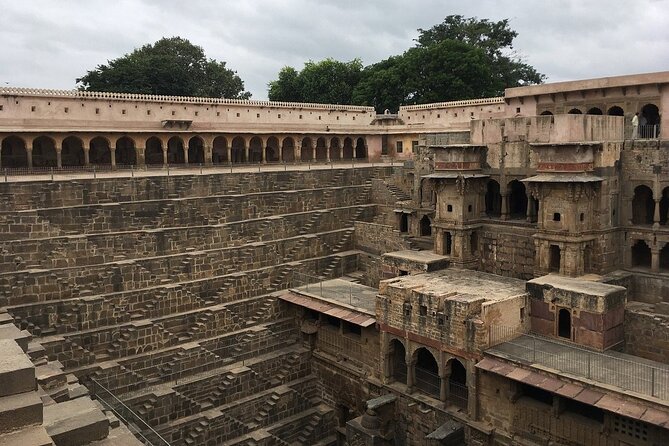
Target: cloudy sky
{"x": 48, "y": 44}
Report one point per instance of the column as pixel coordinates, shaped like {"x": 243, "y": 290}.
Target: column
{"x": 59, "y": 157}
{"x": 444, "y": 389}
{"x": 263, "y": 149}
{"x": 165, "y": 162}
{"x": 655, "y": 259}
{"x": 341, "y": 151}
{"x": 87, "y": 159}
{"x": 185, "y": 154}
{"x": 141, "y": 160}
{"x": 112, "y": 155}
{"x": 656, "y": 216}
{"x": 228, "y": 151}
{"x": 505, "y": 207}
{"x": 411, "y": 375}
{"x": 327, "y": 151}
{"x": 29, "y": 152}
{"x": 246, "y": 151}
{"x": 208, "y": 154}
{"x": 298, "y": 151}
{"x": 530, "y": 208}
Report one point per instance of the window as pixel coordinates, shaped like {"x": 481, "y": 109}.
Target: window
{"x": 582, "y": 217}
{"x": 522, "y": 314}
{"x": 352, "y": 329}
{"x": 32, "y": 109}
{"x": 536, "y": 394}
{"x": 332, "y": 321}
{"x": 584, "y": 410}
{"x": 423, "y": 310}
{"x": 280, "y": 116}
{"x": 238, "y": 115}
{"x": 218, "y": 113}
{"x": 300, "y": 116}
{"x": 354, "y": 118}
{"x": 399, "y": 147}
{"x": 469, "y": 208}
{"x": 414, "y": 146}
{"x": 97, "y": 111}
{"x": 67, "y": 109}
{"x": 148, "y": 112}
{"x": 630, "y": 428}
{"x": 556, "y": 216}
{"x": 517, "y": 109}
{"x": 173, "y": 113}
{"x": 257, "y": 115}
{"x": 319, "y": 118}
{"x": 197, "y": 113}
{"x": 407, "y": 309}
{"x": 1, "y": 107}
{"x": 438, "y": 115}
{"x": 123, "y": 112}
{"x": 449, "y": 208}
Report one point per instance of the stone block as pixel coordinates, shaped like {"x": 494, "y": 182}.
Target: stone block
{"x": 22, "y": 337}
{"x": 18, "y": 411}
{"x": 17, "y": 373}
{"x": 74, "y": 423}
{"x": 31, "y": 436}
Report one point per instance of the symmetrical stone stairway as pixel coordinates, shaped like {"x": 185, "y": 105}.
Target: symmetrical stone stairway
{"x": 159, "y": 291}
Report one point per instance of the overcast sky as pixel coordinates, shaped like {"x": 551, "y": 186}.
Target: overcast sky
{"x": 48, "y": 43}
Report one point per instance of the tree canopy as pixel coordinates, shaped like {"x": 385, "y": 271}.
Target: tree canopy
{"x": 171, "y": 66}
{"x": 328, "y": 81}
{"x": 459, "y": 58}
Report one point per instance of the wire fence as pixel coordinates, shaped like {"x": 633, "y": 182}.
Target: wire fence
{"x": 610, "y": 368}
{"x": 342, "y": 292}
{"x": 145, "y": 433}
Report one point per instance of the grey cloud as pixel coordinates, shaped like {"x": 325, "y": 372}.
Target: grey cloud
{"x": 50, "y": 44}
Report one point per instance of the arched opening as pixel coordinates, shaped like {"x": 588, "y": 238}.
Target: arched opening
{"x": 564, "y": 323}
{"x": 517, "y": 200}
{"x": 404, "y": 222}
{"x": 448, "y": 243}
{"x": 348, "y": 149}
{"x": 175, "y": 151}
{"x": 307, "y": 149}
{"x": 474, "y": 242}
{"x": 99, "y": 152}
{"x": 615, "y": 111}
{"x": 238, "y": 150}
{"x": 334, "y": 149}
{"x": 125, "y": 152}
{"x": 546, "y": 113}
{"x": 255, "y": 150}
{"x": 554, "y": 259}
{"x": 360, "y": 149}
{"x": 195, "y": 150}
{"x": 457, "y": 383}
{"x": 153, "y": 154}
{"x": 13, "y": 152}
{"x": 427, "y": 373}
{"x": 219, "y": 150}
{"x": 595, "y": 111}
{"x": 643, "y": 206}
{"x": 72, "y": 153}
{"x": 425, "y": 226}
{"x": 649, "y": 121}
{"x": 493, "y": 199}
{"x": 398, "y": 364}
{"x": 574, "y": 111}
{"x": 44, "y": 152}
{"x": 664, "y": 206}
{"x": 288, "y": 150}
{"x": 664, "y": 257}
{"x": 641, "y": 255}
{"x": 321, "y": 149}
{"x": 272, "y": 150}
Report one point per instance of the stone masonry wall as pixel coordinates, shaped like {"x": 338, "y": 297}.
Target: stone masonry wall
{"x": 508, "y": 251}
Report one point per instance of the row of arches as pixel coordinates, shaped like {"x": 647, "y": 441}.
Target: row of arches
{"x": 422, "y": 372}
{"x": 514, "y": 204}
{"x": 642, "y": 256}
{"x": 646, "y": 210}
{"x": 649, "y": 113}
{"x": 44, "y": 152}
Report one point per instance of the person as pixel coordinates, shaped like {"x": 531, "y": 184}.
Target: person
{"x": 635, "y": 126}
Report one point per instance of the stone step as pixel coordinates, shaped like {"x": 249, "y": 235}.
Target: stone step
{"x": 18, "y": 411}
{"x": 30, "y": 436}
{"x": 17, "y": 372}
{"x": 76, "y": 422}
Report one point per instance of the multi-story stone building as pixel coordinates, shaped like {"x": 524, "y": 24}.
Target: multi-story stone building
{"x": 254, "y": 273}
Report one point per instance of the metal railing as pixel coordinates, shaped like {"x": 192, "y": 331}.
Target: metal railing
{"x": 458, "y": 394}
{"x": 644, "y": 132}
{"x": 314, "y": 285}
{"x": 145, "y": 433}
{"x": 95, "y": 170}
{"x": 603, "y": 367}
{"x": 427, "y": 381}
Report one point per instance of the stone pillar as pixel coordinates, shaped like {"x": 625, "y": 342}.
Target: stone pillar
{"x": 263, "y": 151}
{"x": 141, "y": 160}
{"x": 112, "y": 156}
{"x": 59, "y": 157}
{"x": 530, "y": 208}
{"x": 246, "y": 151}
{"x": 411, "y": 375}
{"x": 443, "y": 386}
{"x": 185, "y": 154}
{"x": 87, "y": 159}
{"x": 208, "y": 154}
{"x": 298, "y": 151}
{"x": 505, "y": 206}
{"x": 29, "y": 153}
{"x": 327, "y": 152}
{"x": 655, "y": 259}
{"x": 228, "y": 151}
{"x": 165, "y": 162}
{"x": 341, "y": 151}
{"x": 656, "y": 216}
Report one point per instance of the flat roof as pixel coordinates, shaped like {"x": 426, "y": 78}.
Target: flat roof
{"x": 563, "y": 178}
{"x": 423, "y": 256}
{"x": 342, "y": 293}
{"x": 577, "y": 285}
{"x": 461, "y": 284}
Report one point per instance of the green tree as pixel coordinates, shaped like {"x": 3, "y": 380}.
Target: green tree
{"x": 328, "y": 81}
{"x": 170, "y": 66}
{"x": 383, "y": 85}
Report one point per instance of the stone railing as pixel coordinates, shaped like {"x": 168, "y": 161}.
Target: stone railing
{"x": 77, "y": 94}
{"x": 463, "y": 103}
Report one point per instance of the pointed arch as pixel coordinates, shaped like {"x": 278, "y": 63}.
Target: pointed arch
{"x": 238, "y": 150}
{"x": 361, "y": 148}
{"x": 643, "y": 206}
{"x": 348, "y": 148}
{"x": 272, "y": 149}
{"x": 100, "y": 151}
{"x": 44, "y": 152}
{"x": 153, "y": 153}
{"x": 175, "y": 151}
{"x": 196, "y": 150}
{"x": 427, "y": 372}
{"x": 14, "y": 152}
{"x": 307, "y": 149}
{"x": 334, "y": 148}
{"x": 219, "y": 151}
{"x": 72, "y": 153}
{"x": 321, "y": 149}
{"x": 288, "y": 149}
{"x": 255, "y": 150}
